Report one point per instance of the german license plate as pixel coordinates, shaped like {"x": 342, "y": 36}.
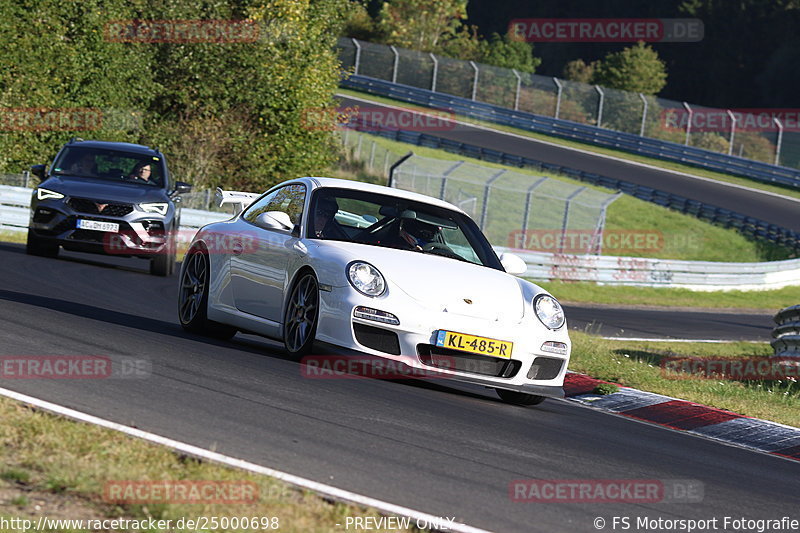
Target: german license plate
{"x": 474, "y": 344}
{"x": 97, "y": 225}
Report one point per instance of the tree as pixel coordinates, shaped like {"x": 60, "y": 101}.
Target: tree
{"x": 579, "y": 71}
{"x": 509, "y": 53}
{"x": 421, "y": 24}
{"x": 636, "y": 69}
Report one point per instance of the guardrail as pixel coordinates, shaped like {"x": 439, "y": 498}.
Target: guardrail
{"x": 747, "y": 225}
{"x": 629, "y": 142}
{"x": 786, "y": 335}
{"x": 612, "y": 270}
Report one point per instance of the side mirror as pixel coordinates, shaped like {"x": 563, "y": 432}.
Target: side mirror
{"x": 274, "y": 220}
{"x": 38, "y": 171}
{"x": 513, "y": 264}
{"x": 181, "y": 187}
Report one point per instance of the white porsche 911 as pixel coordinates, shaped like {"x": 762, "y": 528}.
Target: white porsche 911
{"x": 378, "y": 272}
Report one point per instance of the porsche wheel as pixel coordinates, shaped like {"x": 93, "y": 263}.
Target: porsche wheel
{"x": 302, "y": 313}
{"x": 193, "y": 298}
{"x": 519, "y": 398}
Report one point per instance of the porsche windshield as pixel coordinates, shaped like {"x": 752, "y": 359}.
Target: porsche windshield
{"x": 109, "y": 164}
{"x": 392, "y": 222}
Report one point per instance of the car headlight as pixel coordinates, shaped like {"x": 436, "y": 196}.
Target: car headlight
{"x": 365, "y": 278}
{"x": 549, "y": 311}
{"x": 47, "y": 194}
{"x": 160, "y": 208}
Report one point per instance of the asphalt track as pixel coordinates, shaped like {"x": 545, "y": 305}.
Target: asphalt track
{"x": 775, "y": 209}
{"x": 438, "y": 447}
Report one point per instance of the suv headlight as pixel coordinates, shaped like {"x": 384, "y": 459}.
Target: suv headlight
{"x": 160, "y": 208}
{"x": 47, "y": 194}
{"x": 549, "y": 311}
{"x": 365, "y": 278}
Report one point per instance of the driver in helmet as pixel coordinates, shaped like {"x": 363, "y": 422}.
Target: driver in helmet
{"x": 415, "y": 234}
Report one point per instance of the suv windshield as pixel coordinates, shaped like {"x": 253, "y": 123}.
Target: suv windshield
{"x": 391, "y": 222}
{"x": 109, "y": 164}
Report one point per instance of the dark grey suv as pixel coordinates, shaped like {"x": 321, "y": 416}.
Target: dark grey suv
{"x": 109, "y": 198}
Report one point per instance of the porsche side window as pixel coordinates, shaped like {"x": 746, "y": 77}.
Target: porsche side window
{"x": 289, "y": 200}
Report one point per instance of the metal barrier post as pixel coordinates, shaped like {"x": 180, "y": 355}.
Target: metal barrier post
{"x": 435, "y": 72}
{"x": 566, "y": 217}
{"x": 558, "y": 99}
{"x": 644, "y": 114}
{"x": 516, "y": 93}
{"x": 474, "y": 80}
{"x": 486, "y": 188}
{"x": 599, "y": 106}
{"x": 444, "y": 178}
{"x": 733, "y": 131}
{"x": 394, "y": 66}
{"x": 688, "y": 122}
{"x": 528, "y": 198}
{"x": 780, "y": 140}
{"x": 358, "y": 55}
{"x": 396, "y": 166}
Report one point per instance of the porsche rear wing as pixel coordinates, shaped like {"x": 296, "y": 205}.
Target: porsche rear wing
{"x": 238, "y": 199}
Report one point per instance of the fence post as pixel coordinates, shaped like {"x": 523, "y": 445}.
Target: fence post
{"x": 599, "y": 106}
{"x": 733, "y": 131}
{"x": 485, "y": 207}
{"x": 601, "y": 224}
{"x": 528, "y": 198}
{"x": 444, "y": 178}
{"x": 474, "y": 80}
{"x": 396, "y": 62}
{"x": 644, "y": 114}
{"x": 372, "y": 156}
{"x": 516, "y": 93}
{"x": 396, "y": 166}
{"x": 435, "y": 72}
{"x": 358, "y": 55}
{"x": 566, "y": 216}
{"x": 688, "y": 123}
{"x": 27, "y": 175}
{"x": 780, "y": 140}
{"x": 558, "y": 98}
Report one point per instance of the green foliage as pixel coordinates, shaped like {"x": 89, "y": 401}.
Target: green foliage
{"x": 239, "y": 106}
{"x": 605, "y": 389}
{"x": 421, "y": 24}
{"x": 509, "y": 53}
{"x": 579, "y": 71}
{"x": 637, "y": 69}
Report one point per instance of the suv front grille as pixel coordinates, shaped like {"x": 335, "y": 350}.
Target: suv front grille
{"x": 84, "y": 205}
{"x": 467, "y": 362}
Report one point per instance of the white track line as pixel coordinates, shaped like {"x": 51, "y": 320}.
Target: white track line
{"x": 643, "y": 339}
{"x": 333, "y": 492}
{"x": 587, "y": 152}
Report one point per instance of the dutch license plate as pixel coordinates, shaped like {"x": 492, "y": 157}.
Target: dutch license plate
{"x": 474, "y": 344}
{"x": 96, "y": 225}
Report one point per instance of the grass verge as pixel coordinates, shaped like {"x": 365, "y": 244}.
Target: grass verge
{"x": 586, "y": 292}
{"x": 667, "y": 165}
{"x": 60, "y": 468}
{"x": 638, "y": 365}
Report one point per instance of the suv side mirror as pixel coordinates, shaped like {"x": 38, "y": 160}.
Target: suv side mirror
{"x": 38, "y": 171}
{"x": 181, "y": 187}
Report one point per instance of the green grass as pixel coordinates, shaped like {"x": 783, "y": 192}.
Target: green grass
{"x": 668, "y": 165}
{"x": 679, "y": 236}
{"x": 638, "y": 365}
{"x": 586, "y": 292}
{"x": 69, "y": 464}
